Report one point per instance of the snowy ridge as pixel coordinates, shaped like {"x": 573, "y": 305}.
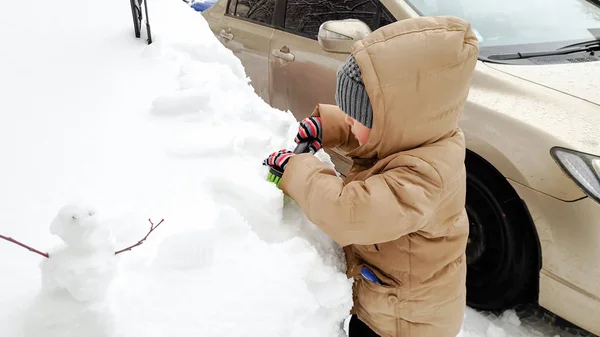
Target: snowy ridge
{"x": 230, "y": 259}
{"x": 258, "y": 268}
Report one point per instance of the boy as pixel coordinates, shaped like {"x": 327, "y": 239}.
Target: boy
{"x": 399, "y": 214}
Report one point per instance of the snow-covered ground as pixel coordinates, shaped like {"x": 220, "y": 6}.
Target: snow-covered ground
{"x": 173, "y": 131}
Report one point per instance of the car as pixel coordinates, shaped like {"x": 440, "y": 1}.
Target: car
{"x": 531, "y": 122}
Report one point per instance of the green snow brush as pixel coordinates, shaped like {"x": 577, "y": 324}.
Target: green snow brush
{"x": 275, "y": 175}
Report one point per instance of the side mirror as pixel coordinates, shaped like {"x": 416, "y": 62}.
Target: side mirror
{"x": 338, "y": 36}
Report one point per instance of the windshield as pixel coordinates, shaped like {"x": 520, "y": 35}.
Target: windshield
{"x": 520, "y": 22}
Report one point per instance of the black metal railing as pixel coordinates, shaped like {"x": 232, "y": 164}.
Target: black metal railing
{"x": 138, "y": 16}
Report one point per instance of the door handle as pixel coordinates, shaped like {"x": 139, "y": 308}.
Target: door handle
{"x": 226, "y": 35}
{"x": 284, "y": 53}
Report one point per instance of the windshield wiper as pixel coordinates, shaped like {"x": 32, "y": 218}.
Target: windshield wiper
{"x": 589, "y": 46}
{"x": 590, "y": 43}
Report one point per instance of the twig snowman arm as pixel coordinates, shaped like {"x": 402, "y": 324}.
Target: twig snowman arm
{"x": 152, "y": 228}
{"x": 31, "y": 249}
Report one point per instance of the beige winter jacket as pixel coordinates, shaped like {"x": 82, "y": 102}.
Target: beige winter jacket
{"x": 401, "y": 209}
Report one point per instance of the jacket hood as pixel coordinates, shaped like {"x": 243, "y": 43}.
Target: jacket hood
{"x": 417, "y": 74}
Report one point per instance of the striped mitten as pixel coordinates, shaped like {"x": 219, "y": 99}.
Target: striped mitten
{"x": 278, "y": 160}
{"x": 310, "y": 129}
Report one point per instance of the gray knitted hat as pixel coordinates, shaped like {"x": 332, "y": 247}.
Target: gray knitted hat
{"x": 351, "y": 95}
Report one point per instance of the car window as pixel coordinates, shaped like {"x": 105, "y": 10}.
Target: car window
{"x": 260, "y": 11}
{"x": 304, "y": 17}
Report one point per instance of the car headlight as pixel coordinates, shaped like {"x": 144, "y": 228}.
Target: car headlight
{"x": 583, "y": 168}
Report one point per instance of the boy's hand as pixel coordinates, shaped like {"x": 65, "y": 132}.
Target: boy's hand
{"x": 310, "y": 128}
{"x": 279, "y": 159}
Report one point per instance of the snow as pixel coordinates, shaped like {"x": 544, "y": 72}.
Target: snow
{"x": 75, "y": 279}
{"x": 173, "y": 131}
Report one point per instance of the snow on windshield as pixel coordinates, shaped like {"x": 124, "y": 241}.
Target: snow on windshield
{"x": 124, "y": 134}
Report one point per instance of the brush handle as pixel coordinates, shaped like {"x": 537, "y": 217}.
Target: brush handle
{"x": 303, "y": 147}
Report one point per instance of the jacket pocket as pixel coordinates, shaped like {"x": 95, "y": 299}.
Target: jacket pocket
{"x": 383, "y": 287}
{"x": 377, "y": 304}
{"x": 384, "y": 279}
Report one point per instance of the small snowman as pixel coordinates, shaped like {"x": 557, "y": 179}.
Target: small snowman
{"x": 76, "y": 279}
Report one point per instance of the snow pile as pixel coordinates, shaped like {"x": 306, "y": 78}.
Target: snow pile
{"x": 172, "y": 130}
{"x": 256, "y": 266}
{"x": 75, "y": 279}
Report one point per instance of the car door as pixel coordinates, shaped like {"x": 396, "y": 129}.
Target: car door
{"x": 302, "y": 73}
{"x": 245, "y": 27}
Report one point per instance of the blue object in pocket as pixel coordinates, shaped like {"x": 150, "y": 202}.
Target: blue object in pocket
{"x": 369, "y": 275}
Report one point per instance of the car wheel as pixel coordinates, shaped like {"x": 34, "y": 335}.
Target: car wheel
{"x": 503, "y": 259}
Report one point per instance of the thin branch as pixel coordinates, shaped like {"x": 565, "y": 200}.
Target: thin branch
{"x": 31, "y": 249}
{"x": 152, "y": 228}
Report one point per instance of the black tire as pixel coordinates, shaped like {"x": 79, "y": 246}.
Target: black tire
{"x": 503, "y": 253}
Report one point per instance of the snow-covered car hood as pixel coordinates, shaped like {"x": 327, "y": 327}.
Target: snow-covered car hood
{"x": 581, "y": 80}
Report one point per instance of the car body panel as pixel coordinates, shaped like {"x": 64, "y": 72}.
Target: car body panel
{"x": 569, "y": 234}
{"x": 289, "y": 89}
{"x": 400, "y": 9}
{"x": 250, "y": 43}
{"x": 577, "y": 79}
{"x": 513, "y": 123}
